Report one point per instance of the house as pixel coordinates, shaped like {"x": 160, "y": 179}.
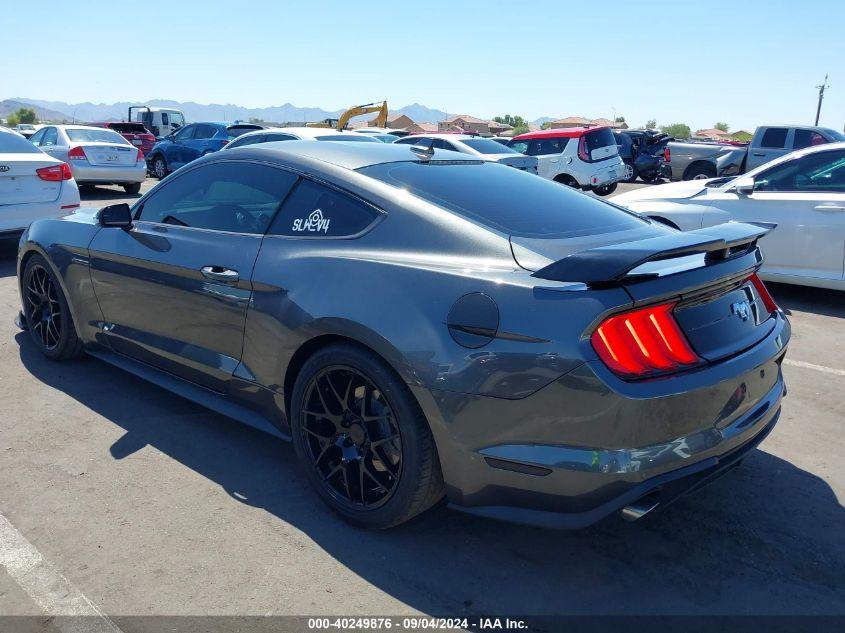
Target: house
{"x": 600, "y": 122}
{"x": 499, "y": 129}
{"x": 711, "y": 134}
{"x": 423, "y": 128}
{"x": 570, "y": 121}
{"x": 579, "y": 121}
{"x": 395, "y": 122}
{"x": 466, "y": 123}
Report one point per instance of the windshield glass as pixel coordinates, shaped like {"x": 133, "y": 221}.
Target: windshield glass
{"x": 508, "y": 200}
{"x": 81, "y": 135}
{"x": 11, "y": 143}
{"x": 486, "y": 146}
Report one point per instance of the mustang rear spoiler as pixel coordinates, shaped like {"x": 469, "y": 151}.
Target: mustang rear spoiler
{"x": 608, "y": 265}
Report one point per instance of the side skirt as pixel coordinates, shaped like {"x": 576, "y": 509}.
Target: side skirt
{"x": 200, "y": 395}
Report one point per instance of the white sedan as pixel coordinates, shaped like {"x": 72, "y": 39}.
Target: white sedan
{"x": 803, "y": 193}
{"x": 32, "y": 185}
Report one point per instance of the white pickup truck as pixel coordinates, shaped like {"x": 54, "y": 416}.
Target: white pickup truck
{"x": 698, "y": 161}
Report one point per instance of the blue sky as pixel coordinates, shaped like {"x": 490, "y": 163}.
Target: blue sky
{"x": 744, "y": 62}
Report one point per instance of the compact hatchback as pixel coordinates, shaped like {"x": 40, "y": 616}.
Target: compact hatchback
{"x": 426, "y": 325}
{"x": 585, "y": 158}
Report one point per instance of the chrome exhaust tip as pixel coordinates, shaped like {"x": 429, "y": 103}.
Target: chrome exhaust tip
{"x": 639, "y": 508}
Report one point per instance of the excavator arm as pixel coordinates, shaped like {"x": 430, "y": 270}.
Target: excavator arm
{"x": 367, "y": 108}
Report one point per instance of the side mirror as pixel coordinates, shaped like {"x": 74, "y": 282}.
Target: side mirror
{"x": 744, "y": 186}
{"x": 116, "y": 215}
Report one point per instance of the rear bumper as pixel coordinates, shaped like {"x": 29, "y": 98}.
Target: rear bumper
{"x": 610, "y": 171}
{"x": 109, "y": 174}
{"x": 14, "y": 218}
{"x": 585, "y": 446}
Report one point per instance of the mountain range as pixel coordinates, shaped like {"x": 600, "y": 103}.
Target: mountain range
{"x": 81, "y": 112}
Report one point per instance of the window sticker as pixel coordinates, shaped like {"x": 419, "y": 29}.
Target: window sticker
{"x": 314, "y": 223}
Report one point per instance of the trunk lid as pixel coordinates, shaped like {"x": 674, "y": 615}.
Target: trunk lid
{"x": 707, "y": 274}
{"x": 19, "y": 182}
{"x": 110, "y": 153}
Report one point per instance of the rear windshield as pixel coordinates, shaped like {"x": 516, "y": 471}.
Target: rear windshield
{"x": 81, "y": 135}
{"x": 833, "y": 134}
{"x": 486, "y": 146}
{"x": 128, "y": 128}
{"x": 506, "y": 199}
{"x": 598, "y": 139}
{"x": 357, "y": 138}
{"x": 11, "y": 143}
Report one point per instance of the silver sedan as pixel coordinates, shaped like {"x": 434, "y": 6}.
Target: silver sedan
{"x": 484, "y": 148}
{"x": 96, "y": 156}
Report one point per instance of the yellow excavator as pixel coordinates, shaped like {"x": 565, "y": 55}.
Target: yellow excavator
{"x": 367, "y": 108}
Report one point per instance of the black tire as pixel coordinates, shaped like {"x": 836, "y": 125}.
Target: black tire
{"x": 700, "y": 171}
{"x": 159, "y": 167}
{"x": 569, "y": 181}
{"x": 132, "y": 188}
{"x": 650, "y": 178}
{"x": 47, "y": 313}
{"x": 631, "y": 172}
{"x": 393, "y": 491}
{"x": 605, "y": 190}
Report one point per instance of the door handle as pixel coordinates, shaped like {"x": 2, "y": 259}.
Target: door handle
{"x": 218, "y": 273}
{"x": 830, "y": 207}
{"x": 758, "y": 154}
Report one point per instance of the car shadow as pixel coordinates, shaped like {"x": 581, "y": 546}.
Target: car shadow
{"x": 806, "y": 299}
{"x": 88, "y": 193}
{"x": 767, "y": 529}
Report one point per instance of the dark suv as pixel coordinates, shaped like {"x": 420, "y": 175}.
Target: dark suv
{"x": 642, "y": 153}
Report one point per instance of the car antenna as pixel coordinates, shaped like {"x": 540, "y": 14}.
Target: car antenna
{"x": 424, "y": 152}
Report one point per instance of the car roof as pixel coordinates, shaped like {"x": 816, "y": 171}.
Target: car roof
{"x": 563, "y": 132}
{"x": 447, "y": 136}
{"x": 352, "y": 155}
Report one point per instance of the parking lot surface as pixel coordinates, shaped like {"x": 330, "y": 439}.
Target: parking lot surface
{"x": 145, "y": 503}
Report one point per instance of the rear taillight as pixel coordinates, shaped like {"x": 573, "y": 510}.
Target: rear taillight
{"x": 140, "y": 157}
{"x": 55, "y": 172}
{"x": 77, "y": 153}
{"x": 667, "y": 155}
{"x": 761, "y": 289}
{"x": 643, "y": 342}
{"x": 582, "y": 149}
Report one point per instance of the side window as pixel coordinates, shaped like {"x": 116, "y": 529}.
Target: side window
{"x": 314, "y": 210}
{"x": 807, "y": 138}
{"x": 407, "y": 141}
{"x": 545, "y": 146}
{"x": 247, "y": 140}
{"x": 519, "y": 146}
{"x": 165, "y": 120}
{"x": 225, "y": 196}
{"x": 781, "y": 177}
{"x": 821, "y": 171}
{"x": 440, "y": 143}
{"x": 774, "y": 138}
{"x": 185, "y": 133}
{"x": 51, "y": 137}
{"x": 35, "y": 139}
{"x": 277, "y": 137}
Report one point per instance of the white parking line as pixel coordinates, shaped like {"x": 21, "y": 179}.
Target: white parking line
{"x": 822, "y": 368}
{"x": 49, "y": 589}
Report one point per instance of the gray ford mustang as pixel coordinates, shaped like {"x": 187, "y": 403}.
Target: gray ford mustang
{"x": 424, "y": 326}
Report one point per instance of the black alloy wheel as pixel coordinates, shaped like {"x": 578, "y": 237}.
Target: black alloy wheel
{"x": 43, "y": 310}
{"x": 352, "y": 437}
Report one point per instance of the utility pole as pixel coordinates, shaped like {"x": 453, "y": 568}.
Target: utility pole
{"x": 821, "y": 96}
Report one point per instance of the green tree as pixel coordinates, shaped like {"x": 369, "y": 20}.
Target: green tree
{"x": 620, "y": 119}
{"x": 678, "y": 130}
{"x": 514, "y": 121}
{"x": 546, "y": 125}
{"x": 520, "y": 129}
{"x": 743, "y": 136}
{"x": 651, "y": 124}
{"x": 26, "y": 115}
{"x": 722, "y": 126}
{"x": 12, "y": 120}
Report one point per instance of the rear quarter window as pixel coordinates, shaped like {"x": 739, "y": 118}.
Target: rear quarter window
{"x": 313, "y": 210}
{"x": 506, "y": 199}
{"x": 13, "y": 144}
